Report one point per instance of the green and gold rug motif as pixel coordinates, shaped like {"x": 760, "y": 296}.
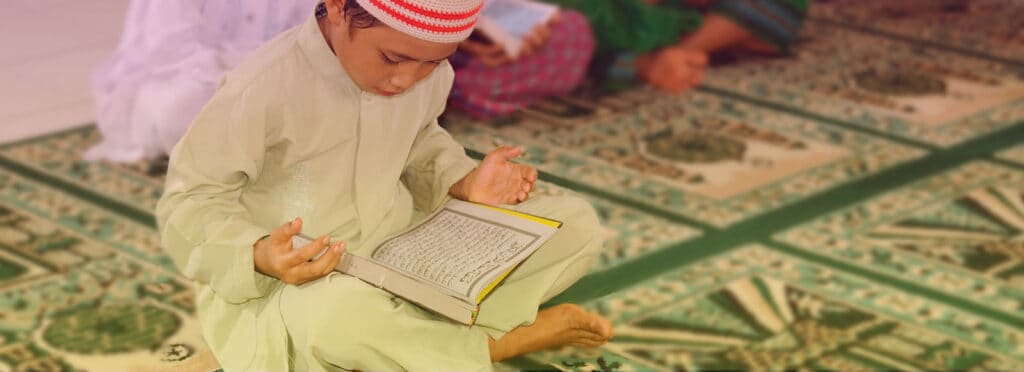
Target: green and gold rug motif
{"x": 86, "y": 289}
{"x": 856, "y": 205}
{"x": 960, "y": 232}
{"x": 701, "y": 156}
{"x": 758, "y": 310}
{"x": 924, "y": 95}
{"x": 987, "y": 27}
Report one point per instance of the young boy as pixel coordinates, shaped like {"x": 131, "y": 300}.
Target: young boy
{"x": 332, "y": 128}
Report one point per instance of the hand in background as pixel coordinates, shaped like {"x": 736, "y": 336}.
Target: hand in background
{"x": 497, "y": 180}
{"x": 491, "y": 55}
{"x": 674, "y": 69}
{"x": 274, "y": 256}
{"x": 537, "y": 37}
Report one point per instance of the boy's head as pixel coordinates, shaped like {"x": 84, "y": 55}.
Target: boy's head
{"x": 386, "y": 46}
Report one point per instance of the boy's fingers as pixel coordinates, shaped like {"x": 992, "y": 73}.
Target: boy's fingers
{"x": 283, "y": 233}
{"x": 499, "y": 154}
{"x": 509, "y": 152}
{"x": 327, "y": 262}
{"x": 531, "y": 174}
{"x": 310, "y": 271}
{"x": 309, "y": 251}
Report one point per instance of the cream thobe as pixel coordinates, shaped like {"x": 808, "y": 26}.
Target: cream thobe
{"x": 288, "y": 134}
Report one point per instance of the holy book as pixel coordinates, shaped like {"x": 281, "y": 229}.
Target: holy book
{"x": 451, "y": 260}
{"x": 509, "y": 21}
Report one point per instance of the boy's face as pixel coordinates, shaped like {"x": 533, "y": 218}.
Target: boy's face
{"x": 380, "y": 59}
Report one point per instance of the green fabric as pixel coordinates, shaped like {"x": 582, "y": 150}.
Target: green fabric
{"x": 633, "y": 25}
{"x": 638, "y": 27}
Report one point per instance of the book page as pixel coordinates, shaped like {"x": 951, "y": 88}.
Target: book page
{"x": 518, "y": 17}
{"x": 457, "y": 251}
{"x": 508, "y": 21}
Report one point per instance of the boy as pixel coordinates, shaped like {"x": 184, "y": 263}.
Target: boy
{"x": 335, "y": 122}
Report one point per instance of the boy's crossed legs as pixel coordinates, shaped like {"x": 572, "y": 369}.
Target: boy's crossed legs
{"x": 343, "y": 322}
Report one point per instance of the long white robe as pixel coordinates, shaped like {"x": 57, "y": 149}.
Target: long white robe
{"x": 167, "y": 64}
{"x": 288, "y": 134}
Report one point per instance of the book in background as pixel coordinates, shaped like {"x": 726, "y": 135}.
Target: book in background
{"x": 507, "y": 22}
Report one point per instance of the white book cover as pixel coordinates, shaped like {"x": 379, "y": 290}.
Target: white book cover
{"x": 508, "y": 21}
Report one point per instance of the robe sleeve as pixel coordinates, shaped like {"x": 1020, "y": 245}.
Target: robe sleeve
{"x": 436, "y": 161}
{"x": 203, "y": 226}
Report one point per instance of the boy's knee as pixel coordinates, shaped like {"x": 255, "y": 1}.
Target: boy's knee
{"x": 577, "y": 215}
{"x": 581, "y": 213}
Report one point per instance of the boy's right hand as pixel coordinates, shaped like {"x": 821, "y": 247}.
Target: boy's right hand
{"x": 274, "y": 256}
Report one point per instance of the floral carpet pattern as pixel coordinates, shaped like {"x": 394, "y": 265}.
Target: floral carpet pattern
{"x": 857, "y": 204}
{"x": 968, "y": 25}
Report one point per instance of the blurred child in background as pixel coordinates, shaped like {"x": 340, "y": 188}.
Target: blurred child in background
{"x": 171, "y": 55}
{"x": 670, "y": 40}
{"x": 490, "y": 83}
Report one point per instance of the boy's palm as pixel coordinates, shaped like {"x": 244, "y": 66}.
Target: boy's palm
{"x": 498, "y": 180}
{"x": 274, "y": 255}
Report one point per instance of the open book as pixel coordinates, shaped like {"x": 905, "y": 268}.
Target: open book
{"x": 508, "y": 21}
{"x": 450, "y": 261}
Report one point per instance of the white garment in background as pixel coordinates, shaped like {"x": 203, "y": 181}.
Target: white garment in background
{"x": 171, "y": 55}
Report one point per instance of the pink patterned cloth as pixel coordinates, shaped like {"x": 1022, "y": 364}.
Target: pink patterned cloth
{"x": 556, "y": 68}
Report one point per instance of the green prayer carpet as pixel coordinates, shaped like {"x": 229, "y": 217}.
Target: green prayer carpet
{"x": 857, "y": 204}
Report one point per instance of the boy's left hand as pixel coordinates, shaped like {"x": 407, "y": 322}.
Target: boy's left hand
{"x": 497, "y": 180}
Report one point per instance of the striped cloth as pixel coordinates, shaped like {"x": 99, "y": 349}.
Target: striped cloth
{"x": 776, "y": 22}
{"x": 638, "y": 27}
{"x": 556, "y": 68}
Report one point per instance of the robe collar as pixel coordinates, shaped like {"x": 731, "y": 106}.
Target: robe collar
{"x": 323, "y": 60}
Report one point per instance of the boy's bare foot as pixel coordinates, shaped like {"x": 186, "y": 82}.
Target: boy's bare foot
{"x": 565, "y": 324}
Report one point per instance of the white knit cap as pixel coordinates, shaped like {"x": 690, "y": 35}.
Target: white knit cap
{"x": 441, "y": 21}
